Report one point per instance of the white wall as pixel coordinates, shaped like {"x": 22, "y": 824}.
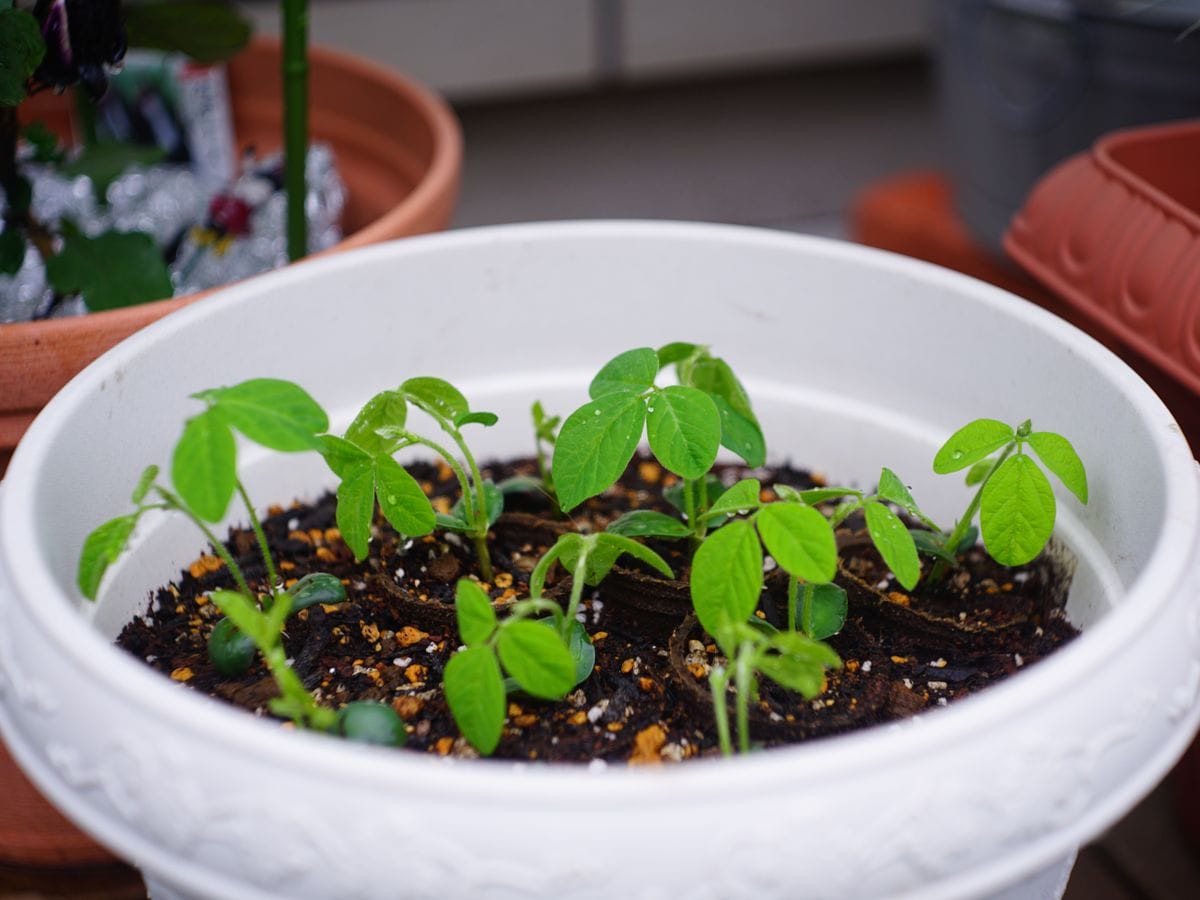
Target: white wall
{"x": 472, "y": 49}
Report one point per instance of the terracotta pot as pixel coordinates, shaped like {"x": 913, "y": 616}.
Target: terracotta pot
{"x": 1115, "y": 232}
{"x": 399, "y": 150}
{"x": 400, "y": 153}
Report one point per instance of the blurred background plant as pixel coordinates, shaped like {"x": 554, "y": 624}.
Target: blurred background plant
{"x": 84, "y": 244}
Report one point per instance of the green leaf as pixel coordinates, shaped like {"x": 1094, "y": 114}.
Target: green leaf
{"x": 493, "y": 497}
{"x": 1016, "y": 512}
{"x": 437, "y": 397}
{"x": 623, "y": 544}
{"x": 208, "y": 31}
{"x": 829, "y": 608}
{"x": 714, "y": 376}
{"x": 21, "y": 52}
{"x": 387, "y": 409}
{"x": 582, "y": 650}
{"x": 727, "y": 576}
{"x": 684, "y": 429}
{"x": 143, "y": 485}
{"x": 894, "y": 543}
{"x": 341, "y": 455}
{"x": 486, "y": 419}
{"x": 521, "y": 484}
{"x": 204, "y": 465}
{"x": 972, "y": 443}
{"x": 451, "y": 523}
{"x": 12, "y": 250}
{"x": 476, "y": 618}
{"x": 741, "y": 435}
{"x": 544, "y": 426}
{"x": 536, "y": 658}
{"x": 356, "y": 506}
{"x": 277, "y": 414}
{"x": 673, "y": 494}
{"x": 101, "y": 549}
{"x": 800, "y": 539}
{"x": 580, "y": 646}
{"x": 401, "y": 499}
{"x": 371, "y": 722}
{"x": 648, "y": 523}
{"x": 677, "y": 351}
{"x": 112, "y": 270}
{"x": 104, "y": 162}
{"x": 314, "y": 588}
{"x": 230, "y": 652}
{"x": 934, "y": 545}
{"x": 474, "y": 687}
{"x": 979, "y": 471}
{"x": 893, "y": 490}
{"x": 742, "y": 496}
{"x": 632, "y": 372}
{"x": 813, "y": 496}
{"x": 246, "y": 617}
{"x": 798, "y": 662}
{"x": 595, "y": 445}
{"x": 1057, "y": 454}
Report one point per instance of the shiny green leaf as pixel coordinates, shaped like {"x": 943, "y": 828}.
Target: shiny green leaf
{"x": 595, "y": 445}
{"x": 387, "y": 409}
{"x": 101, "y": 549}
{"x": 401, "y": 499}
{"x": 1057, "y": 454}
{"x": 727, "y": 576}
{"x": 473, "y": 608}
{"x": 892, "y": 539}
{"x": 438, "y": 397}
{"x": 632, "y": 372}
{"x": 277, "y": 414}
{"x": 474, "y": 687}
{"x": 536, "y": 658}
{"x": 684, "y": 429}
{"x": 648, "y": 523}
{"x": 970, "y": 444}
{"x": 1016, "y": 512}
{"x": 800, "y": 539}
{"x": 204, "y": 465}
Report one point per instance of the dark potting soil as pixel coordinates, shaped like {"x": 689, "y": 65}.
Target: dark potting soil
{"x": 648, "y": 698}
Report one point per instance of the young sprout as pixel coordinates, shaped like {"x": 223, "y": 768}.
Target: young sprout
{"x": 897, "y": 545}
{"x": 727, "y": 571}
{"x": 755, "y": 649}
{"x": 280, "y": 416}
{"x": 1014, "y": 500}
{"x": 545, "y": 657}
{"x": 685, "y": 424}
{"x": 545, "y": 434}
{"x": 363, "y": 460}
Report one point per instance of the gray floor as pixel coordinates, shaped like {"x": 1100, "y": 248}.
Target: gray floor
{"x": 787, "y": 151}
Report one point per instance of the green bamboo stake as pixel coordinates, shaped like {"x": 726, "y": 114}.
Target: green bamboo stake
{"x": 295, "y": 123}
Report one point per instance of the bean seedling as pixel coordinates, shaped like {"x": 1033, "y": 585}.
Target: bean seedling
{"x": 544, "y": 657}
{"x": 280, "y": 416}
{"x": 363, "y": 460}
{"x": 685, "y": 424}
{"x": 1014, "y": 500}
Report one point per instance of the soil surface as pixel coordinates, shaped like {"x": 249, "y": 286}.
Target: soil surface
{"x": 648, "y": 699}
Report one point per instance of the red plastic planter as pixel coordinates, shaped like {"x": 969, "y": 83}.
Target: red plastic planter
{"x": 1115, "y": 232}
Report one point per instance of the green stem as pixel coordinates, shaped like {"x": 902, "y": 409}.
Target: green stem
{"x": 806, "y": 609}
{"x": 295, "y": 122}
{"x": 578, "y": 575}
{"x": 743, "y": 678}
{"x": 718, "y": 682}
{"x": 793, "y": 591}
{"x": 261, "y": 537}
{"x": 960, "y": 529}
{"x": 219, "y": 548}
{"x": 292, "y": 689}
{"x": 690, "y": 510}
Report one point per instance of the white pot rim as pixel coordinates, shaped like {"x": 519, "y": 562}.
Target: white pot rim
{"x": 542, "y": 784}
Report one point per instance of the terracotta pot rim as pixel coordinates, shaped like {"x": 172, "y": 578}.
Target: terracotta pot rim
{"x": 439, "y": 177}
{"x": 1104, "y": 153}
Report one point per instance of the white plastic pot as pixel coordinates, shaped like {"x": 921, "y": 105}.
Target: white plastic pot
{"x": 854, "y": 358}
